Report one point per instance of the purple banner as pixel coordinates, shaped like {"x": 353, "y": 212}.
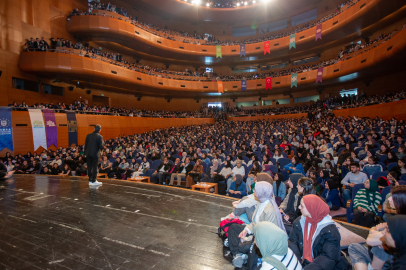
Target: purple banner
{"x": 50, "y": 125}
{"x": 319, "y": 75}
{"x": 318, "y": 31}
{"x": 242, "y": 50}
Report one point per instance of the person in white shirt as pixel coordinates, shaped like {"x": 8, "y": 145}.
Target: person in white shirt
{"x": 57, "y": 160}
{"x": 351, "y": 179}
{"x": 238, "y": 169}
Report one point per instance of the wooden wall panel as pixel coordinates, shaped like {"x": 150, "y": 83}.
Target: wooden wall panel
{"x": 62, "y": 127}
{"x": 83, "y": 127}
{"x": 22, "y": 132}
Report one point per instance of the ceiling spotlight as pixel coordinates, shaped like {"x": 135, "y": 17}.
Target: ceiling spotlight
{"x": 207, "y": 4}
{"x": 238, "y": 4}
{"x": 245, "y": 3}
{"x": 254, "y": 1}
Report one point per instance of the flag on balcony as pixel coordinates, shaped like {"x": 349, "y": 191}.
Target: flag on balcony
{"x": 242, "y": 50}
{"x": 320, "y": 75}
{"x": 6, "y": 132}
{"x": 218, "y": 52}
{"x": 268, "y": 83}
{"x": 292, "y": 41}
{"x": 72, "y": 128}
{"x": 293, "y": 80}
{"x": 220, "y": 88}
{"x": 267, "y": 47}
{"x": 244, "y": 85}
{"x": 38, "y": 129}
{"x": 318, "y": 31}
{"x": 50, "y": 125}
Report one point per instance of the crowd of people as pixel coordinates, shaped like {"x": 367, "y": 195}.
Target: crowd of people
{"x": 207, "y": 39}
{"x": 305, "y": 167}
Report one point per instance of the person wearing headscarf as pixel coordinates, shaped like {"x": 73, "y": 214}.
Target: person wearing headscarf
{"x": 237, "y": 188}
{"x": 214, "y": 168}
{"x": 251, "y": 175}
{"x": 366, "y": 203}
{"x": 279, "y": 188}
{"x": 195, "y": 174}
{"x": 324, "y": 176}
{"x": 184, "y": 155}
{"x": 331, "y": 195}
{"x": 267, "y": 169}
{"x": 266, "y": 210}
{"x": 315, "y": 237}
{"x": 273, "y": 245}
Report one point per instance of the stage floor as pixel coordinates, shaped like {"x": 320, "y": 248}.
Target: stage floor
{"x": 51, "y": 222}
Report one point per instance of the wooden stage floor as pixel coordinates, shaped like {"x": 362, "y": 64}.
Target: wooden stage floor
{"x": 51, "y": 222}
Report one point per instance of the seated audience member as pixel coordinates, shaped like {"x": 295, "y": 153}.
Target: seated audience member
{"x": 266, "y": 210}
{"x": 183, "y": 171}
{"x": 224, "y": 173}
{"x": 251, "y": 175}
{"x": 351, "y": 179}
{"x": 289, "y": 152}
{"x": 401, "y": 152}
{"x": 238, "y": 169}
{"x": 400, "y": 169}
{"x": 66, "y": 170}
{"x": 4, "y": 174}
{"x": 158, "y": 176}
{"x": 195, "y": 174}
{"x": 132, "y": 168}
{"x": 237, "y": 188}
{"x": 174, "y": 168}
{"x": 391, "y": 158}
{"x": 105, "y": 166}
{"x": 366, "y": 203}
{"x": 279, "y": 188}
{"x": 290, "y": 203}
{"x": 272, "y": 242}
{"x": 372, "y": 166}
{"x": 122, "y": 168}
{"x": 315, "y": 238}
{"x": 55, "y": 169}
{"x": 46, "y": 171}
{"x": 295, "y": 166}
{"x": 144, "y": 166}
{"x": 331, "y": 195}
{"x": 395, "y": 202}
{"x": 324, "y": 176}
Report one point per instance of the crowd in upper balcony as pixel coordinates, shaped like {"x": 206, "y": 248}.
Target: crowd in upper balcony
{"x": 206, "y": 39}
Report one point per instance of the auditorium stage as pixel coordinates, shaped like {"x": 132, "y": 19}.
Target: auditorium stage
{"x": 52, "y": 222}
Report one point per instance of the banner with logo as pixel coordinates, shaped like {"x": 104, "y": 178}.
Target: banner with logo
{"x": 242, "y": 50}
{"x": 218, "y": 52}
{"x": 267, "y": 47}
{"x": 72, "y": 128}
{"x": 318, "y": 31}
{"x": 244, "y": 85}
{"x": 220, "y": 88}
{"x": 293, "y": 80}
{"x": 38, "y": 128}
{"x": 268, "y": 83}
{"x": 6, "y": 132}
{"x": 292, "y": 41}
{"x": 50, "y": 125}
{"x": 320, "y": 75}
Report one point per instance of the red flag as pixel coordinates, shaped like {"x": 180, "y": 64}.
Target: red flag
{"x": 268, "y": 83}
{"x": 267, "y": 47}
{"x": 220, "y": 87}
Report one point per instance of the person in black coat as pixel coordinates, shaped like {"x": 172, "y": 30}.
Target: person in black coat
{"x": 320, "y": 249}
{"x": 158, "y": 176}
{"x": 183, "y": 170}
{"x": 93, "y": 144}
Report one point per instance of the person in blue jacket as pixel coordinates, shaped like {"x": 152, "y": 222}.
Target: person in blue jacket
{"x": 324, "y": 176}
{"x": 279, "y": 187}
{"x": 237, "y": 188}
{"x": 331, "y": 195}
{"x": 295, "y": 166}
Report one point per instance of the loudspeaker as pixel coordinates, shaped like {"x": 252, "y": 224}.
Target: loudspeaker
{"x": 169, "y": 100}
{"x": 1, "y": 72}
{"x": 167, "y": 66}
{"x": 139, "y": 99}
{"x": 88, "y": 92}
{"x": 137, "y": 61}
{"x": 197, "y": 101}
{"x": 70, "y": 88}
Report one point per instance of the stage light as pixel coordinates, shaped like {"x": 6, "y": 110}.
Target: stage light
{"x": 245, "y": 3}
{"x": 254, "y": 2}
{"x": 238, "y": 4}
{"x": 207, "y": 4}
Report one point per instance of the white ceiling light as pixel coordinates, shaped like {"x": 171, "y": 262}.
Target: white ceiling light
{"x": 207, "y": 4}
{"x": 238, "y": 4}
{"x": 254, "y": 1}
{"x": 245, "y": 3}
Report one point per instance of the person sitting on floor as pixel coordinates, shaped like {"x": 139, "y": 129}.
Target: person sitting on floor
{"x": 315, "y": 238}
{"x": 331, "y": 195}
{"x": 366, "y": 203}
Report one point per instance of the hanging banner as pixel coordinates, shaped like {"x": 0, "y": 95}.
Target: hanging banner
{"x": 6, "y": 132}
{"x": 318, "y": 31}
{"x": 220, "y": 88}
{"x": 72, "y": 128}
{"x": 38, "y": 128}
{"x": 292, "y": 41}
{"x": 267, "y": 47}
{"x": 50, "y": 125}
{"x": 242, "y": 50}
{"x": 268, "y": 83}
{"x": 218, "y": 52}
{"x": 293, "y": 80}
{"x": 320, "y": 75}
{"x": 244, "y": 85}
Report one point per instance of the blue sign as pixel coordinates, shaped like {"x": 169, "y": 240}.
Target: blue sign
{"x": 6, "y": 132}
{"x": 72, "y": 128}
{"x": 244, "y": 85}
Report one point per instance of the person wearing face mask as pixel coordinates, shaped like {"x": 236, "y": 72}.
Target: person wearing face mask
{"x": 315, "y": 238}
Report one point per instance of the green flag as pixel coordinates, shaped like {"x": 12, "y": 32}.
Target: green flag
{"x": 218, "y": 52}
{"x": 292, "y": 41}
{"x": 293, "y": 80}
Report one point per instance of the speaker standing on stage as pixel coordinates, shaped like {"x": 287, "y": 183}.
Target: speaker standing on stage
{"x": 93, "y": 144}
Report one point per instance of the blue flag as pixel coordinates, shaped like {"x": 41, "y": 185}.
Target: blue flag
{"x": 6, "y": 132}
{"x": 242, "y": 50}
{"x": 244, "y": 85}
{"x": 292, "y": 41}
{"x": 293, "y": 80}
{"x": 72, "y": 128}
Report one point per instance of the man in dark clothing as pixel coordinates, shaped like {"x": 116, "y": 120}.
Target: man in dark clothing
{"x": 159, "y": 175}
{"x": 93, "y": 144}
